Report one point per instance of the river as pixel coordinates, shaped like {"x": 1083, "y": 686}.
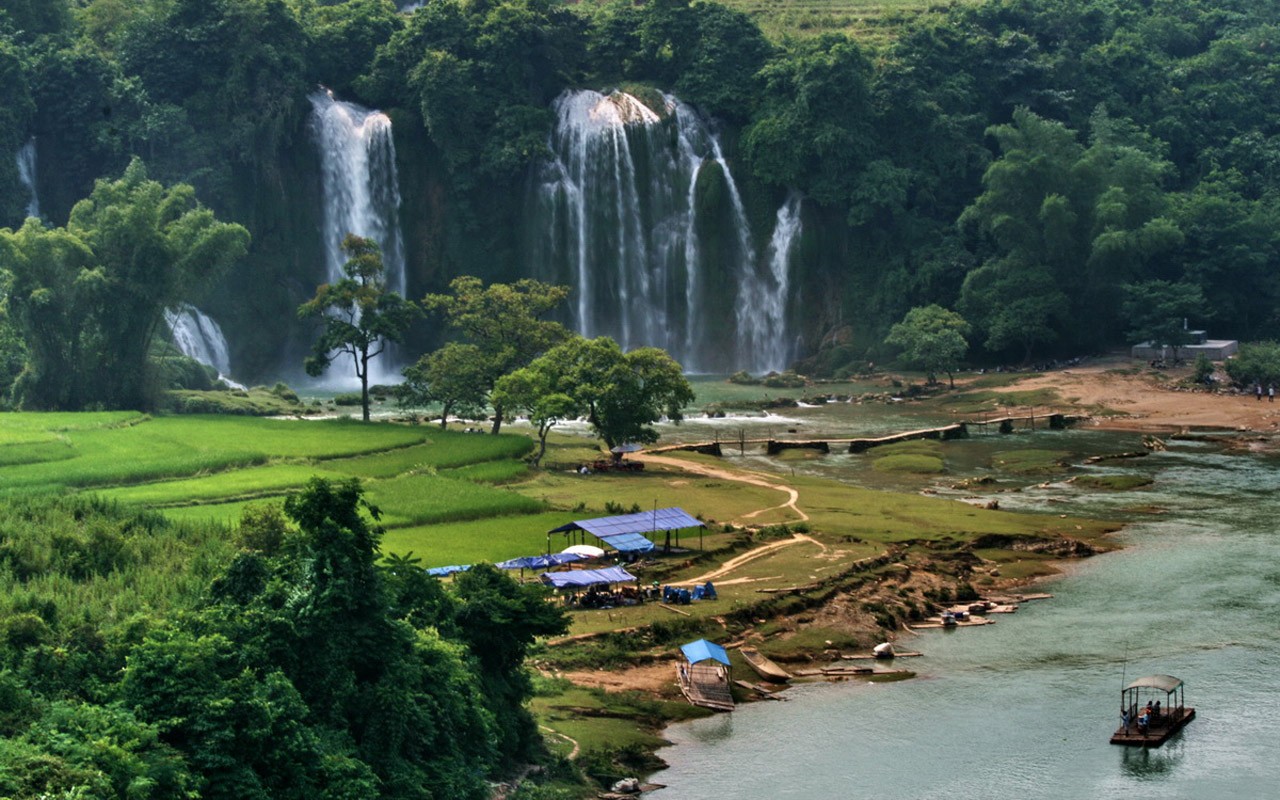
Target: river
{"x": 1024, "y": 708}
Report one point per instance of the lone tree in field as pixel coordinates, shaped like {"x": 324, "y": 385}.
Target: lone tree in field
{"x": 359, "y": 314}
{"x": 933, "y": 339}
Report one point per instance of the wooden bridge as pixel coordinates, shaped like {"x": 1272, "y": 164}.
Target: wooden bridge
{"x": 957, "y": 430}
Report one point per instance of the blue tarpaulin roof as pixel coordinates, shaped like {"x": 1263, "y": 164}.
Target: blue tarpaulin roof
{"x": 540, "y": 562}
{"x": 702, "y": 650}
{"x": 440, "y": 572}
{"x": 626, "y": 532}
{"x": 586, "y": 577}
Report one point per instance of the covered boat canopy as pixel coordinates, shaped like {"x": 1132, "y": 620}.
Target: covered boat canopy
{"x": 626, "y": 532}
{"x": 702, "y": 650}
{"x": 1165, "y": 683}
{"x": 581, "y": 578}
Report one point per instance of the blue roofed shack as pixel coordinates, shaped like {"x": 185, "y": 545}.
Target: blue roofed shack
{"x": 629, "y": 533}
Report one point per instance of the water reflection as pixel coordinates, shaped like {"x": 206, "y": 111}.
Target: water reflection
{"x": 1145, "y": 764}
{"x": 712, "y": 730}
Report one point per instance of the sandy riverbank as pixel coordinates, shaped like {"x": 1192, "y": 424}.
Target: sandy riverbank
{"x": 1124, "y": 394}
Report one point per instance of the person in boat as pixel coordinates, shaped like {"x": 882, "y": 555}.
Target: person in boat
{"x": 1157, "y": 710}
{"x": 1124, "y": 719}
{"x": 1143, "y": 720}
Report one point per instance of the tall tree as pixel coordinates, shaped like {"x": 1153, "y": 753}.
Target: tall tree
{"x": 454, "y": 376}
{"x": 89, "y": 298}
{"x": 534, "y": 391}
{"x": 933, "y": 338}
{"x": 505, "y": 321}
{"x": 621, "y": 394}
{"x": 359, "y": 315}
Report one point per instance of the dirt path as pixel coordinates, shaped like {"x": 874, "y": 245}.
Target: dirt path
{"x": 753, "y": 478}
{"x": 573, "y": 754}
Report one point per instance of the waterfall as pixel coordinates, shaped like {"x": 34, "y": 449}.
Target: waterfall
{"x": 27, "y": 174}
{"x": 762, "y": 298}
{"x": 616, "y": 214}
{"x": 359, "y": 182}
{"x": 197, "y": 336}
{"x": 362, "y": 196}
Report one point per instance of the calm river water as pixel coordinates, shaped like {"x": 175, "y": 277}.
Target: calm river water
{"x": 1024, "y": 708}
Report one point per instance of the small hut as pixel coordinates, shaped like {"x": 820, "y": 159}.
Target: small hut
{"x": 704, "y": 675}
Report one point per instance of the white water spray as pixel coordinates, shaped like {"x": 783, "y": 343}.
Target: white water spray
{"x": 361, "y": 196}
{"x": 360, "y": 184}
{"x": 197, "y": 336}
{"x": 764, "y": 293}
{"x": 616, "y": 215}
{"x": 27, "y": 174}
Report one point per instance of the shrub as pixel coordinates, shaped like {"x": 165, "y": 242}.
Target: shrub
{"x": 348, "y": 399}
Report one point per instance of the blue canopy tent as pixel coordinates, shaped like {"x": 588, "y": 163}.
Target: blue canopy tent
{"x": 582, "y": 578}
{"x": 440, "y": 572}
{"x": 539, "y": 562}
{"x": 626, "y": 533}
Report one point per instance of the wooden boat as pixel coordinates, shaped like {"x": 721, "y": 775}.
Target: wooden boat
{"x": 763, "y": 666}
{"x": 1154, "y": 722}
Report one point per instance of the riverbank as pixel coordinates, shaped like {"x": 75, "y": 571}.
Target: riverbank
{"x": 1125, "y": 394}
{"x": 838, "y": 616}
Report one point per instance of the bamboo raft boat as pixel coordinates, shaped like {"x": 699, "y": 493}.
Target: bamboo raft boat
{"x": 763, "y": 666}
{"x": 1145, "y": 726}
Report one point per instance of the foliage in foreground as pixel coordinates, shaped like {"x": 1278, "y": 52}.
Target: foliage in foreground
{"x": 304, "y": 670}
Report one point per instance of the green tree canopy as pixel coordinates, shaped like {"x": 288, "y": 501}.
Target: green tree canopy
{"x": 359, "y": 315}
{"x": 455, "y": 376}
{"x": 535, "y": 391}
{"x": 1159, "y": 311}
{"x": 932, "y": 338}
{"x": 621, "y": 394}
{"x": 1073, "y": 222}
{"x": 89, "y": 298}
{"x": 505, "y": 321}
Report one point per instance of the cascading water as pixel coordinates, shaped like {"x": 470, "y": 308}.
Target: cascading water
{"x": 763, "y": 297}
{"x": 616, "y": 214}
{"x": 197, "y": 336}
{"x": 27, "y": 174}
{"x": 359, "y": 181}
{"x": 361, "y": 193}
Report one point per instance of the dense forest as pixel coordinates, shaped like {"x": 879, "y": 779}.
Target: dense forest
{"x": 1017, "y": 161}
{"x": 144, "y": 659}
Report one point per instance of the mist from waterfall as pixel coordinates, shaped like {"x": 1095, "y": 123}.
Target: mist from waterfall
{"x": 361, "y": 195}
{"x": 198, "y": 336}
{"x": 27, "y": 175}
{"x": 615, "y": 213}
